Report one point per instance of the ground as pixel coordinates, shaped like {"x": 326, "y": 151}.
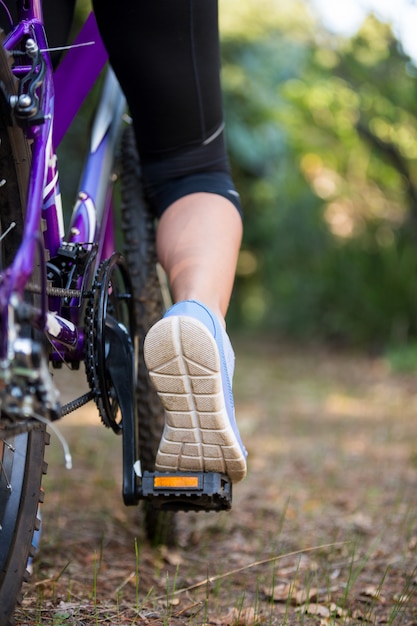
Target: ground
{"x": 323, "y": 530}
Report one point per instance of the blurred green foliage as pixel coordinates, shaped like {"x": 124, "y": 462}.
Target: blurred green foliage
{"x": 322, "y": 134}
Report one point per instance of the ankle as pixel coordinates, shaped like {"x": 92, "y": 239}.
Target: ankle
{"x": 212, "y": 305}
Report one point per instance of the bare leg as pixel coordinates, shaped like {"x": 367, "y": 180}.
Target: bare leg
{"x": 188, "y": 353}
{"x": 198, "y": 241}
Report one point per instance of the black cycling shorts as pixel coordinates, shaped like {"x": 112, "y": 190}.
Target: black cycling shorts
{"x": 166, "y": 56}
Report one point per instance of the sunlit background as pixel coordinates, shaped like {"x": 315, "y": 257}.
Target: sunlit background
{"x": 347, "y": 16}
{"x": 321, "y": 119}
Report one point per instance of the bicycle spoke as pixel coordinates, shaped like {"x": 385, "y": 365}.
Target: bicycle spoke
{"x": 3, "y": 472}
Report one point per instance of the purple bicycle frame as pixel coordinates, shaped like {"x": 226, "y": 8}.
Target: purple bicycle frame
{"x": 63, "y": 94}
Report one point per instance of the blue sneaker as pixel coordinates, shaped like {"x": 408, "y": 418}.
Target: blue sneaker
{"x": 191, "y": 362}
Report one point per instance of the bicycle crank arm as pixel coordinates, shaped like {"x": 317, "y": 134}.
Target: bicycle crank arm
{"x": 120, "y": 369}
{"x": 187, "y": 491}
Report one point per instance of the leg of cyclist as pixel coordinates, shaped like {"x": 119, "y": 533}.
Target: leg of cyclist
{"x": 199, "y": 271}
{"x": 166, "y": 57}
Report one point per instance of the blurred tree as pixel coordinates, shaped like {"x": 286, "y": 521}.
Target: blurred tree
{"x": 322, "y": 133}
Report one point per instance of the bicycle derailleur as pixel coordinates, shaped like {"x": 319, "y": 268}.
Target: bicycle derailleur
{"x": 27, "y": 389}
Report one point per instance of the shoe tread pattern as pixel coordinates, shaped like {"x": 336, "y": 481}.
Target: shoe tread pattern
{"x": 184, "y": 366}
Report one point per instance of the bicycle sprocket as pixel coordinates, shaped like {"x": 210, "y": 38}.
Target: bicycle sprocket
{"x": 110, "y": 302}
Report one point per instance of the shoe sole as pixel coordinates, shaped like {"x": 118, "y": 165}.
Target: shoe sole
{"x": 184, "y": 365}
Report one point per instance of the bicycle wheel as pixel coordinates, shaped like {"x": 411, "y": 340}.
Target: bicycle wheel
{"x": 22, "y": 445}
{"x": 21, "y": 470}
{"x": 140, "y": 253}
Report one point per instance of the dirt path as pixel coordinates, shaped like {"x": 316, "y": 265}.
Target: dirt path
{"x": 322, "y": 531}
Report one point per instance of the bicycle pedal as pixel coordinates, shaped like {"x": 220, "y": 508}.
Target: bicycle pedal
{"x": 187, "y": 491}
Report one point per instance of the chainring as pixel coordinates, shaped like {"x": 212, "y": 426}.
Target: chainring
{"x": 111, "y": 296}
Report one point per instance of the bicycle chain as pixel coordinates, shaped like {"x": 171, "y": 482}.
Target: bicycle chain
{"x": 58, "y": 292}
{"x": 73, "y": 405}
{"x": 90, "y": 328}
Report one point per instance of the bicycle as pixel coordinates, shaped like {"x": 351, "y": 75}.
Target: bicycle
{"x": 67, "y": 296}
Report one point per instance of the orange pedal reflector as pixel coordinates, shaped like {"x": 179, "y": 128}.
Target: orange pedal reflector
{"x": 176, "y": 482}
{"x": 186, "y": 491}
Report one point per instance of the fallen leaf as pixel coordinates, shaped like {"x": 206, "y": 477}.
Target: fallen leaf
{"x": 335, "y": 574}
{"x": 401, "y": 598}
{"x": 315, "y": 609}
{"x": 362, "y": 523}
{"x": 284, "y": 591}
{"x": 373, "y": 592}
{"x": 279, "y": 593}
{"x": 323, "y": 611}
{"x": 304, "y": 595}
{"x": 170, "y": 556}
{"x": 241, "y": 617}
{"x": 338, "y": 611}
